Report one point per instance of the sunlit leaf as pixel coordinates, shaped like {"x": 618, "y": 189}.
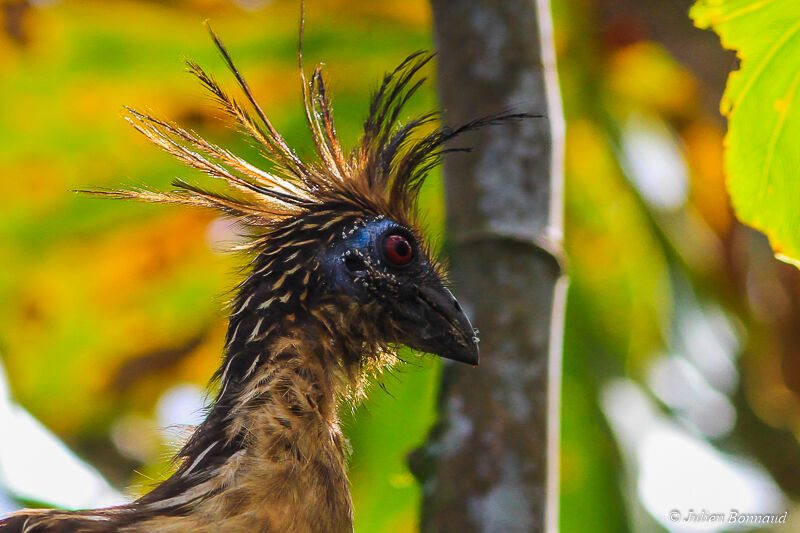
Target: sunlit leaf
{"x": 761, "y": 159}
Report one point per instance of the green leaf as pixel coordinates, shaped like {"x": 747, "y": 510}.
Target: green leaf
{"x": 762, "y": 156}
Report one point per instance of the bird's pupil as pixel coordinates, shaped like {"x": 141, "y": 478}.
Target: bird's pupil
{"x": 402, "y": 248}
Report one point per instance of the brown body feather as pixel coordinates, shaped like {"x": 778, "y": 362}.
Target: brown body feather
{"x": 270, "y": 456}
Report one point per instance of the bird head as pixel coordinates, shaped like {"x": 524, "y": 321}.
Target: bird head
{"x": 337, "y": 237}
{"x": 382, "y": 272}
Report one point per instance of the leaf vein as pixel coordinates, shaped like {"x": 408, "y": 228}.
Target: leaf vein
{"x": 776, "y": 133}
{"x": 779, "y": 44}
{"x": 733, "y": 15}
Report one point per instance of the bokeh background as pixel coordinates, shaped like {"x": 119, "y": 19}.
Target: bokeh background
{"x": 682, "y": 365}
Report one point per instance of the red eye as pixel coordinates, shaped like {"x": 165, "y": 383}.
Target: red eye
{"x": 397, "y": 249}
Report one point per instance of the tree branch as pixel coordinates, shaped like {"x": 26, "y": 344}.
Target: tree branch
{"x": 491, "y": 462}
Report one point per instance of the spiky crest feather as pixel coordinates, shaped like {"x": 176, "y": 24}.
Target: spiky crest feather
{"x": 381, "y": 175}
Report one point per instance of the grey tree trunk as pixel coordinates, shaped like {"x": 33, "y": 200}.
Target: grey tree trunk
{"x": 491, "y": 461}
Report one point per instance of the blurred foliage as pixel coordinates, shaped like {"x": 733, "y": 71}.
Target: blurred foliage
{"x": 760, "y": 103}
{"x": 108, "y": 305}
{"x": 645, "y": 272}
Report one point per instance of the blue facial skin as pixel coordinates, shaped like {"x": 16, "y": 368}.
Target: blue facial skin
{"x": 344, "y": 260}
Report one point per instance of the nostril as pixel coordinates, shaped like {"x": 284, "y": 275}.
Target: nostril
{"x": 354, "y": 263}
{"x": 457, "y": 305}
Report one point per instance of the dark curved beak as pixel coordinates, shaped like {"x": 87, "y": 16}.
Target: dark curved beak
{"x": 441, "y": 327}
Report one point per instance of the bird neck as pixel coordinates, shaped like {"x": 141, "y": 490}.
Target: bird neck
{"x": 271, "y": 450}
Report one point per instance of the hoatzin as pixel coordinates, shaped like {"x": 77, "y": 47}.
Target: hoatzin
{"x": 340, "y": 275}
